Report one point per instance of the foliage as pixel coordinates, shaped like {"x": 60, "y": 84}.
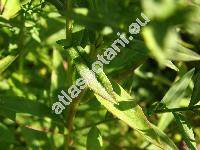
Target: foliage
{"x": 150, "y": 89}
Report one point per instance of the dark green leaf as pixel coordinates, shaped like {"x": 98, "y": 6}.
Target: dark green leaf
{"x": 94, "y": 139}
{"x": 196, "y": 91}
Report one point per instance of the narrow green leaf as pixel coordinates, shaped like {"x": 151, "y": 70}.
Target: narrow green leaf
{"x": 155, "y": 49}
{"x": 6, "y": 61}
{"x": 58, "y": 74}
{"x": 94, "y": 139}
{"x": 169, "y": 64}
{"x": 196, "y": 93}
{"x": 181, "y": 53}
{"x": 88, "y": 75}
{"x": 186, "y": 130}
{"x": 101, "y": 76}
{"x": 177, "y": 90}
{"x": 173, "y": 97}
{"x": 128, "y": 111}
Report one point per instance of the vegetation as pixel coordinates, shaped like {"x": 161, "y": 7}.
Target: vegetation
{"x": 154, "y": 82}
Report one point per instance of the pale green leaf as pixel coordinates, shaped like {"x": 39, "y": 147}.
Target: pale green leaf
{"x": 128, "y": 111}
{"x": 11, "y": 8}
{"x": 6, "y": 61}
{"x": 181, "y": 53}
{"x": 170, "y": 64}
{"x": 58, "y": 74}
{"x": 88, "y": 75}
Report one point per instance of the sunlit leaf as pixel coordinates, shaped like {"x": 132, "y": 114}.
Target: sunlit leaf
{"x": 173, "y": 97}
{"x": 10, "y": 8}
{"x": 128, "y": 111}
{"x": 6, "y": 61}
{"x": 186, "y": 131}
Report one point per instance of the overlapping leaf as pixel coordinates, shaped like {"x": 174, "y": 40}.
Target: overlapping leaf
{"x": 173, "y": 98}
{"x": 127, "y": 110}
{"x": 196, "y": 93}
{"x": 186, "y": 131}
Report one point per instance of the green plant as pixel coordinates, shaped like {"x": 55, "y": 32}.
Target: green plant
{"x": 147, "y": 91}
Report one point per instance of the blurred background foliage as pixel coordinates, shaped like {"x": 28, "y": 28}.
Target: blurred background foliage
{"x": 34, "y": 69}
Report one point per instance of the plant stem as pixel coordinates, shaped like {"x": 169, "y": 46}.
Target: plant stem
{"x": 69, "y": 25}
{"x": 192, "y": 108}
{"x": 21, "y": 45}
{"x": 70, "y": 119}
{"x": 75, "y": 103}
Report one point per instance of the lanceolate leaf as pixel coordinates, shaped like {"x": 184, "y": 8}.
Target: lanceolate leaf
{"x": 154, "y": 48}
{"x": 196, "y": 91}
{"x": 101, "y": 76}
{"x": 173, "y": 97}
{"x": 58, "y": 74}
{"x": 186, "y": 131}
{"x": 128, "y": 111}
{"x": 181, "y": 53}
{"x": 178, "y": 89}
{"x": 94, "y": 139}
{"x": 88, "y": 75}
{"x": 171, "y": 65}
{"x": 6, "y": 61}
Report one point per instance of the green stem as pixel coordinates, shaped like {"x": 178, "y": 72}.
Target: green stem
{"x": 75, "y": 103}
{"x": 21, "y": 46}
{"x": 192, "y": 108}
{"x": 70, "y": 120}
{"x": 69, "y": 25}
